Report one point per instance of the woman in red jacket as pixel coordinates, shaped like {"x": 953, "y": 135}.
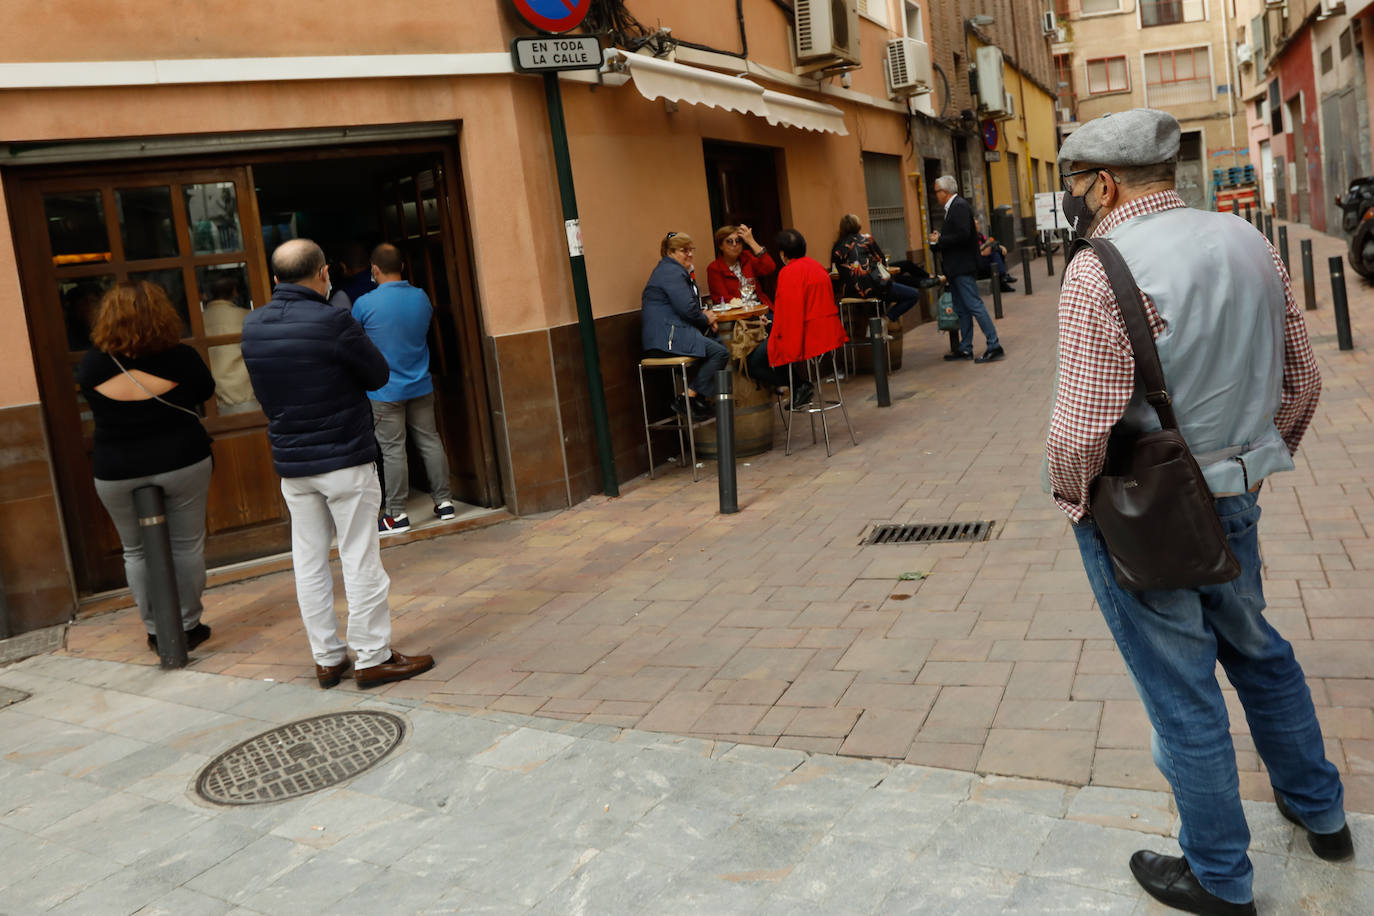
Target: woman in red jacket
{"x": 740, "y": 258}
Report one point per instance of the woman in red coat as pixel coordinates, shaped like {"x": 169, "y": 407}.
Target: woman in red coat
{"x": 740, "y": 258}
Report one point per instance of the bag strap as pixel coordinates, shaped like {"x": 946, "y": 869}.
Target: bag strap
{"x": 1132, "y": 308}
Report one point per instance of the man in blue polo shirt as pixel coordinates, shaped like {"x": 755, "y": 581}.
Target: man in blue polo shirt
{"x": 396, "y": 317}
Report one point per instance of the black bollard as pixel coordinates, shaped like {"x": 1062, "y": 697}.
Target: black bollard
{"x": 1248, "y": 218}
{"x": 877, "y": 334}
{"x": 1049, "y": 259}
{"x": 996, "y": 297}
{"x": 1235, "y": 207}
{"x": 725, "y": 441}
{"x": 1283, "y": 249}
{"x": 162, "y": 576}
{"x": 1309, "y": 280}
{"x": 1269, "y": 228}
{"x": 1338, "y": 304}
{"x": 1025, "y": 271}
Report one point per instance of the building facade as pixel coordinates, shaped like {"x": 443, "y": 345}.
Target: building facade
{"x": 184, "y": 144}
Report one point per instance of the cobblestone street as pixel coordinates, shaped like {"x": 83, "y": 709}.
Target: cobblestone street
{"x": 775, "y": 627}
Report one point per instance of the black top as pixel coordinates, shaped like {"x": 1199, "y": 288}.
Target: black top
{"x": 138, "y": 438}
{"x": 958, "y": 245}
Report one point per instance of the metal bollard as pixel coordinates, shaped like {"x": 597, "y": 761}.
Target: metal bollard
{"x": 1049, "y": 260}
{"x": 996, "y": 285}
{"x": 1025, "y": 271}
{"x": 1248, "y": 218}
{"x": 1235, "y": 207}
{"x": 162, "y": 576}
{"x": 1269, "y": 228}
{"x": 1309, "y": 279}
{"x": 1338, "y": 304}
{"x": 1283, "y": 249}
{"x": 725, "y": 441}
{"x": 877, "y": 335}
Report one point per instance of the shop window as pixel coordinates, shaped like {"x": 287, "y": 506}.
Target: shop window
{"x": 80, "y": 298}
{"x": 1107, "y": 74}
{"x": 1177, "y": 77}
{"x": 212, "y": 213}
{"x": 76, "y": 228}
{"x": 174, "y": 283}
{"x": 145, "y": 223}
{"x": 225, "y": 300}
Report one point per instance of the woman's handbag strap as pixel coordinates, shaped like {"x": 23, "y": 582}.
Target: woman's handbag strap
{"x": 1132, "y": 308}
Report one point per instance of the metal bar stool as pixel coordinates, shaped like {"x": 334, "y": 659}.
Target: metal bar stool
{"x": 855, "y": 320}
{"x": 677, "y": 368}
{"x": 818, "y": 404}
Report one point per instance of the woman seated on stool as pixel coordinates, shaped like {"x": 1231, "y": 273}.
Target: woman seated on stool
{"x": 856, "y": 256}
{"x": 673, "y": 324}
{"x": 740, "y": 258}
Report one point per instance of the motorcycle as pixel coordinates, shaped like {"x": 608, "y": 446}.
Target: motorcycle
{"x": 1357, "y": 219}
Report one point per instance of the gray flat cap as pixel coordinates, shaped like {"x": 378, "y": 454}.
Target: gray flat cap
{"x": 1141, "y": 136}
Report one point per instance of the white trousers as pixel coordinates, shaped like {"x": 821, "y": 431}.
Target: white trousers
{"x": 342, "y": 502}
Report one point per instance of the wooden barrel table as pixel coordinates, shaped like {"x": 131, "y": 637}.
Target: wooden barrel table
{"x": 754, "y": 405}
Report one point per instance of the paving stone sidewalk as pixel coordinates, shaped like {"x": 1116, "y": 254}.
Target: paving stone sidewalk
{"x": 508, "y": 814}
{"x": 776, "y": 627}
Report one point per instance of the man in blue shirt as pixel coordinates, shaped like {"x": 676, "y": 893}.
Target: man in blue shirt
{"x": 396, "y": 317}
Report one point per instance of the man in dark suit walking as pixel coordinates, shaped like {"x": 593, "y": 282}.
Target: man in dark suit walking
{"x": 957, "y": 242}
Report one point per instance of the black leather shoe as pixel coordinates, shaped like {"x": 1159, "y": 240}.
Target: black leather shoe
{"x": 1333, "y": 847}
{"x": 194, "y": 637}
{"x": 330, "y": 675}
{"x": 1169, "y": 880}
{"x": 995, "y": 353}
{"x": 801, "y": 396}
{"x": 960, "y": 354}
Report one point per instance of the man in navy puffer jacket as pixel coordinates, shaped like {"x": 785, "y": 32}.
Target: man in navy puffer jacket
{"x": 311, "y": 366}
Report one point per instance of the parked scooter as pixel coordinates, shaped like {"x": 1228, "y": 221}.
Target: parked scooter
{"x": 1357, "y": 219}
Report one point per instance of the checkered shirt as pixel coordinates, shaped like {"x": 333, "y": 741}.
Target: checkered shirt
{"x": 1097, "y": 367}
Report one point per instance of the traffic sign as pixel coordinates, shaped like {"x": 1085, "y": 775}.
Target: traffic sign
{"x": 550, "y": 53}
{"x": 553, "y": 15}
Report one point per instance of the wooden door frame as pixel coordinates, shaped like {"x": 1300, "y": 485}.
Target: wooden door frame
{"x": 23, "y": 189}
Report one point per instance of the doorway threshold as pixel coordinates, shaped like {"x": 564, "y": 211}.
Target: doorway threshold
{"x": 471, "y": 520}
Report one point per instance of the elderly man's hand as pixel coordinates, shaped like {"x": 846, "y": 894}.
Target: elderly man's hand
{"x": 933, "y": 238}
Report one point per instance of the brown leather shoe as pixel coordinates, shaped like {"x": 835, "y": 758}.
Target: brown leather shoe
{"x": 330, "y": 675}
{"x": 397, "y": 668}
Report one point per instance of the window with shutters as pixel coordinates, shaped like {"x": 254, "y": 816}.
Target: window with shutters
{"x": 1169, "y": 12}
{"x": 1107, "y": 74}
{"x": 875, "y": 10}
{"x": 1177, "y": 77}
{"x": 1101, "y": 6}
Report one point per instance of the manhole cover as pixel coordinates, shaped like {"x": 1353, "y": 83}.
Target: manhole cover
{"x": 300, "y": 757}
{"x": 925, "y": 534}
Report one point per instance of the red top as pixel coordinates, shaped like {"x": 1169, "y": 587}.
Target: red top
{"x": 806, "y": 321}
{"x": 725, "y": 285}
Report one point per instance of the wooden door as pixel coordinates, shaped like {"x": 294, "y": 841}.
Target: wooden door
{"x": 422, "y": 216}
{"x": 194, "y": 231}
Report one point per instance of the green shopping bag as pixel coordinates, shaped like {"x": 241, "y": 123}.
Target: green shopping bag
{"x": 946, "y": 319}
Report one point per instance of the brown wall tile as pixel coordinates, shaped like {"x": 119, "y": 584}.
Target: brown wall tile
{"x": 33, "y": 562}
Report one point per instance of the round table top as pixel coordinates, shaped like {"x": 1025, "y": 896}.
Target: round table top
{"x": 744, "y": 311}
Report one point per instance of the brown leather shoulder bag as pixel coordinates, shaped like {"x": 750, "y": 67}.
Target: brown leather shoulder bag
{"x": 1151, "y": 502}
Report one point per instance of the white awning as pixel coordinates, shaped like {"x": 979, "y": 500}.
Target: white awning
{"x": 665, "y": 79}
{"x": 794, "y": 111}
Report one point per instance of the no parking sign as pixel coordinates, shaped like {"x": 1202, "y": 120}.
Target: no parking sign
{"x": 553, "y": 15}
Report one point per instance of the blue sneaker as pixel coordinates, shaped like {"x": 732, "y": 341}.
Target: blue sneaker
{"x": 394, "y": 524}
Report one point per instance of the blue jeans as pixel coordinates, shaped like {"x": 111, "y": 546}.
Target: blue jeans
{"x": 902, "y": 299}
{"x": 1171, "y": 641}
{"x": 969, "y": 306}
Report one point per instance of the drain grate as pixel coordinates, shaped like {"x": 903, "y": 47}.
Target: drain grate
{"x": 300, "y": 757}
{"x": 929, "y": 533}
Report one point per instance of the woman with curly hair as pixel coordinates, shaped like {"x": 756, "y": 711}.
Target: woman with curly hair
{"x": 144, "y": 386}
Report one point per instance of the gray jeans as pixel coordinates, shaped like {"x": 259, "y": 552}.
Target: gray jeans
{"x": 186, "y": 490}
{"x": 392, "y": 421}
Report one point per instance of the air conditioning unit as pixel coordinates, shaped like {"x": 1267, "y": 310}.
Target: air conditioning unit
{"x": 827, "y": 30}
{"x": 1331, "y": 8}
{"x": 1242, "y": 53}
{"x": 1050, "y": 23}
{"x": 992, "y": 89}
{"x": 907, "y": 66}
{"x": 1008, "y": 105}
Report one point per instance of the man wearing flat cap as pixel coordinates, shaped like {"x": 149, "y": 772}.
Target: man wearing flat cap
{"x": 1244, "y": 384}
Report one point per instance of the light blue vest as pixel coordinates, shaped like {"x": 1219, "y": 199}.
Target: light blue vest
{"x": 1212, "y": 279}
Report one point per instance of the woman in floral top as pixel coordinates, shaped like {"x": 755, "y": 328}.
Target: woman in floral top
{"x": 741, "y": 258}
{"x": 855, "y": 257}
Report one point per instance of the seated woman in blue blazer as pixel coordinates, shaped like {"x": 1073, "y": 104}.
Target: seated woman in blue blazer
{"x": 675, "y": 325}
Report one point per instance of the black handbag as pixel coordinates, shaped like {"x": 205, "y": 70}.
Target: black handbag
{"x": 1151, "y": 502}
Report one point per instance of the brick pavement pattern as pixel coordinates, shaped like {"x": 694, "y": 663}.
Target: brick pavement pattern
{"x": 775, "y": 627}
